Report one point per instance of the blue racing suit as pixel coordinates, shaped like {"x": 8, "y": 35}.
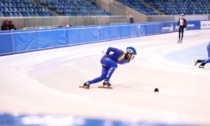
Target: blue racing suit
{"x": 204, "y": 61}
{"x": 109, "y": 63}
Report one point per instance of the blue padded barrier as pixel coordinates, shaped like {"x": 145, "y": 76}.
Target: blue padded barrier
{"x": 72, "y": 36}
{"x": 114, "y": 32}
{"x": 193, "y": 25}
{"x": 7, "y": 119}
{"x": 167, "y": 27}
{"x": 60, "y": 37}
{"x": 45, "y": 39}
{"x": 82, "y": 35}
{"x": 6, "y": 44}
{"x": 124, "y": 31}
{"x": 24, "y": 41}
{"x": 91, "y": 34}
{"x": 149, "y": 29}
{"x": 104, "y": 33}
{"x": 134, "y": 30}
{"x": 17, "y": 41}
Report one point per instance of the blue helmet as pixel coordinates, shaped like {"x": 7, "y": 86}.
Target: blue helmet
{"x": 131, "y": 50}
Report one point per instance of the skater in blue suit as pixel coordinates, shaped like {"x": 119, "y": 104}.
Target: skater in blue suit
{"x": 109, "y": 63}
{"x": 204, "y": 61}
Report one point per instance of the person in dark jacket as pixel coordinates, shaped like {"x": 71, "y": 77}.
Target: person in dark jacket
{"x": 182, "y": 25}
{"x": 5, "y": 25}
{"x": 11, "y": 25}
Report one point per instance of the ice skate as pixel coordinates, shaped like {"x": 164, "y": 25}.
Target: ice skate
{"x": 195, "y": 62}
{"x": 85, "y": 85}
{"x": 202, "y": 67}
{"x": 179, "y": 41}
{"x": 106, "y": 84}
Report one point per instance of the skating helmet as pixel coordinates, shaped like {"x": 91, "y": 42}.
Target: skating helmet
{"x": 131, "y": 50}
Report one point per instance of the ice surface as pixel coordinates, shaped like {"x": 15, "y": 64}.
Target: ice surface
{"x": 47, "y": 81}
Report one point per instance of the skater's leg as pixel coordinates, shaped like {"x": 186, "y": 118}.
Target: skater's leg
{"x": 182, "y": 33}
{"x": 179, "y": 33}
{"x": 204, "y": 63}
{"x": 100, "y": 78}
{"x": 112, "y": 65}
{"x": 207, "y": 61}
{"x": 109, "y": 73}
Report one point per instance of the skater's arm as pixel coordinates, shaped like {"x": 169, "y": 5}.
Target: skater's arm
{"x": 185, "y": 23}
{"x": 110, "y": 49}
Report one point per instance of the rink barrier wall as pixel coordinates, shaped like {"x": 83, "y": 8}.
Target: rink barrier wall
{"x": 19, "y": 41}
{"x": 64, "y": 120}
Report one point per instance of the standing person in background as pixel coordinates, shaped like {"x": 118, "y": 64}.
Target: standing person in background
{"x": 11, "y": 25}
{"x": 5, "y": 25}
{"x": 204, "y": 61}
{"x": 182, "y": 25}
{"x": 109, "y": 61}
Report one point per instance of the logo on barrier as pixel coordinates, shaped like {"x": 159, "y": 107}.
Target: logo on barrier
{"x": 166, "y": 29}
{"x": 205, "y": 24}
{"x": 191, "y": 25}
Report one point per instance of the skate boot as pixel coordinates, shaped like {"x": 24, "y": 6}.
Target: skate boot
{"x": 179, "y": 41}
{"x": 195, "y": 62}
{"x": 106, "y": 84}
{"x": 85, "y": 85}
{"x": 202, "y": 65}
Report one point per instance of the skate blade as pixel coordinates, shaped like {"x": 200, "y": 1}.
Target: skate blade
{"x": 83, "y": 87}
{"x": 105, "y": 87}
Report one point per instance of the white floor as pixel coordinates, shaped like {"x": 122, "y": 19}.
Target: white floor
{"x": 46, "y": 82}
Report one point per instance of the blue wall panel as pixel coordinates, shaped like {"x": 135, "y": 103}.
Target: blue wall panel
{"x": 92, "y": 34}
{"x": 193, "y": 25}
{"x": 104, "y": 33}
{"x": 114, "y": 32}
{"x": 60, "y": 37}
{"x": 24, "y": 41}
{"x": 134, "y": 30}
{"x": 45, "y": 39}
{"x": 81, "y": 35}
{"x": 72, "y": 36}
{"x": 167, "y": 27}
{"x": 124, "y": 31}
{"x": 6, "y": 43}
{"x": 150, "y": 29}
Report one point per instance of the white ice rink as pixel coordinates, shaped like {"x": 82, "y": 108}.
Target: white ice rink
{"x": 47, "y": 81}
